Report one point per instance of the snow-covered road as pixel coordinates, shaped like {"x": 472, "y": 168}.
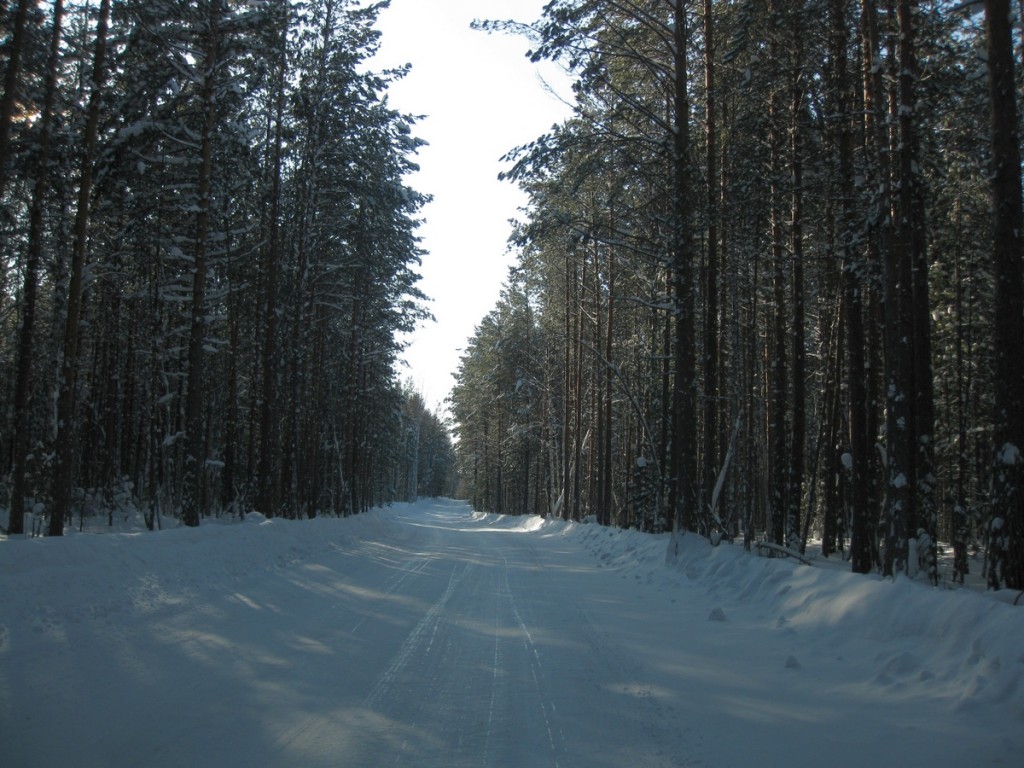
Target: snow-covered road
{"x": 460, "y": 641}
{"x": 496, "y": 662}
{"x": 428, "y": 635}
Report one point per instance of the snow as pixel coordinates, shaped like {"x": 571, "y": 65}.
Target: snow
{"x": 1009, "y": 455}
{"x": 430, "y": 635}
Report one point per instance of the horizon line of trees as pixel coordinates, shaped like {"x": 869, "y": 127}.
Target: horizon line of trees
{"x": 207, "y": 257}
{"x": 769, "y": 282}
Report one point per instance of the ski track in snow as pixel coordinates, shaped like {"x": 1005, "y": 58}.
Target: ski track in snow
{"x": 429, "y": 635}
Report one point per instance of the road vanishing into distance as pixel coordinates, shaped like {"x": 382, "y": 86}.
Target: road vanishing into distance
{"x": 428, "y": 635}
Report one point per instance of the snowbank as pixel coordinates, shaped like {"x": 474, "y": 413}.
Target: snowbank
{"x": 956, "y": 645}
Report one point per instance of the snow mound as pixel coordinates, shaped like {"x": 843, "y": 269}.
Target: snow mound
{"x": 955, "y": 644}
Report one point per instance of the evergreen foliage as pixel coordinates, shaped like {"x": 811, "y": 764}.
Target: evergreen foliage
{"x": 245, "y": 250}
{"x": 762, "y": 291}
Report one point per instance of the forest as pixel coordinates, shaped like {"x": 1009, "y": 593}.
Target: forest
{"x": 769, "y": 283}
{"x": 208, "y": 255}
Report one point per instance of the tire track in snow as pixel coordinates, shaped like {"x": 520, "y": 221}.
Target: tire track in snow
{"x": 508, "y": 667}
{"x": 610, "y": 671}
{"x": 495, "y": 667}
{"x": 409, "y": 569}
{"x": 556, "y": 739}
{"x": 425, "y": 631}
{"x": 394, "y": 585}
{"x": 468, "y": 685}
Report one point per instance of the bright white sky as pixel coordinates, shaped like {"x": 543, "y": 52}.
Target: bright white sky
{"x": 481, "y": 97}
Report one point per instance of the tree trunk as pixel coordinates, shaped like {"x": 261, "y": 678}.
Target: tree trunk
{"x": 778, "y": 446}
{"x": 195, "y": 458}
{"x": 23, "y": 386}
{"x": 64, "y": 448}
{"x": 682, "y": 496}
{"x": 606, "y": 493}
{"x": 876, "y": 149}
{"x": 1006, "y": 528}
{"x": 268, "y": 466}
{"x": 711, "y": 325}
{"x": 908, "y": 347}
{"x": 853, "y": 311}
{"x": 568, "y": 388}
{"x": 797, "y": 462}
{"x": 577, "y": 395}
{"x": 961, "y": 520}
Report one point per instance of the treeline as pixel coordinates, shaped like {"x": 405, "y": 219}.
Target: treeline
{"x": 208, "y": 253}
{"x": 769, "y": 282}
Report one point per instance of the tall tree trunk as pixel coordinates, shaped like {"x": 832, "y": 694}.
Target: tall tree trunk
{"x": 195, "y": 459}
{"x": 682, "y": 491}
{"x": 595, "y": 499}
{"x": 862, "y": 519}
{"x": 828, "y": 434}
{"x": 1006, "y": 527}
{"x": 961, "y": 520}
{"x": 577, "y": 395}
{"x": 269, "y": 470}
{"x": 925, "y": 520}
{"x": 23, "y": 386}
{"x": 570, "y": 282}
{"x": 778, "y": 446}
{"x": 662, "y": 333}
{"x": 64, "y": 448}
{"x": 711, "y": 325}
{"x": 606, "y": 492}
{"x": 897, "y": 341}
{"x": 232, "y": 436}
{"x": 879, "y": 244}
{"x": 908, "y": 347}
{"x": 794, "y": 491}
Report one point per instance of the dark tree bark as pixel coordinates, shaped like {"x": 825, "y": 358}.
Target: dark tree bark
{"x": 66, "y": 428}
{"x": 577, "y": 396}
{"x": 570, "y": 285}
{"x": 853, "y": 310}
{"x": 23, "y": 385}
{"x": 605, "y": 510}
{"x": 925, "y": 518}
{"x": 711, "y": 324}
{"x": 1006, "y": 527}
{"x": 195, "y": 458}
{"x": 778, "y": 445}
{"x": 683, "y": 467}
{"x": 797, "y": 460}
{"x": 961, "y": 520}
{"x": 878, "y": 246}
{"x": 269, "y": 451}
{"x": 910, "y": 416}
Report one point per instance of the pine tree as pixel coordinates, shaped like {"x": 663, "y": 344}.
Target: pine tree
{"x": 64, "y": 469}
{"x": 27, "y": 334}
{"x": 1006, "y": 528}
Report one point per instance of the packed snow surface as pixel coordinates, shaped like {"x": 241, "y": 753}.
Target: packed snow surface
{"x": 430, "y": 635}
